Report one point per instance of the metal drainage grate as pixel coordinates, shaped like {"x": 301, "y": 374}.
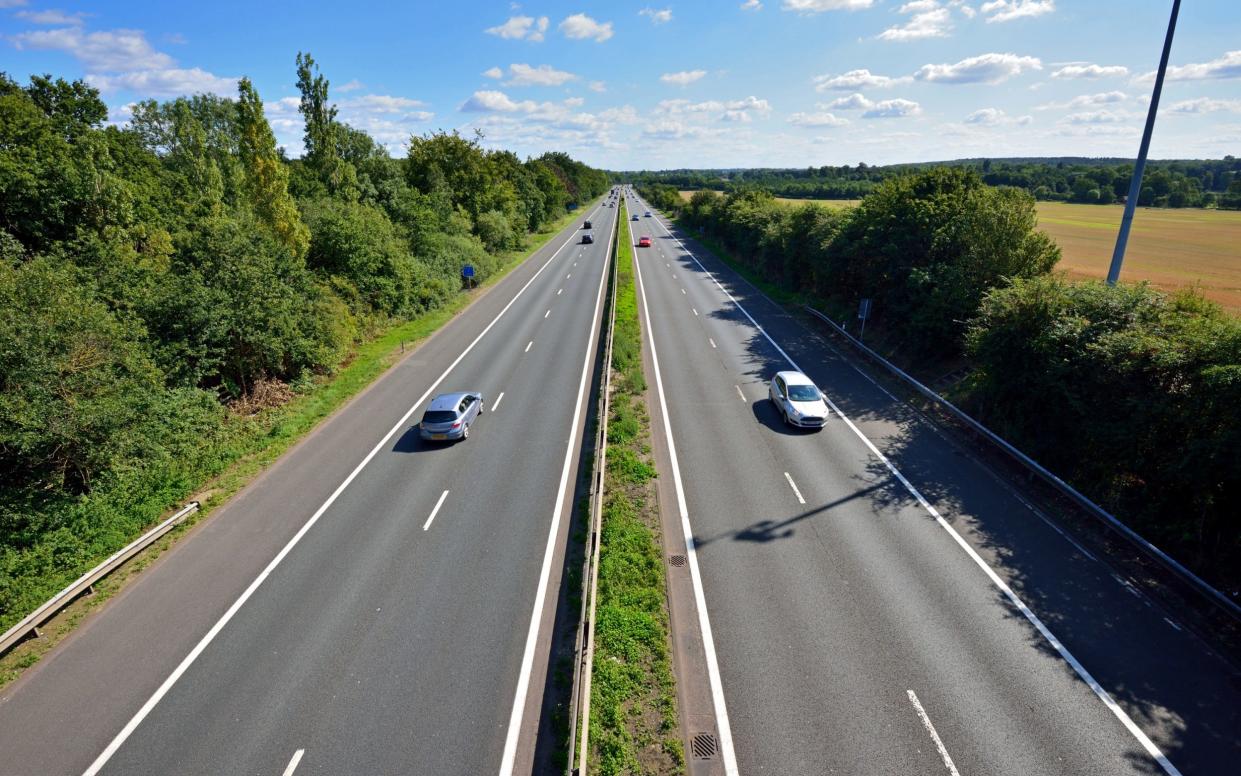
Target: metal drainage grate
{"x": 703, "y": 746}
{"x": 676, "y": 560}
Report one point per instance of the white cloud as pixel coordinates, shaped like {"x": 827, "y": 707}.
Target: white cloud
{"x": 1087, "y": 101}
{"x": 725, "y": 110}
{"x": 1226, "y": 66}
{"x": 579, "y": 26}
{"x": 493, "y": 72}
{"x": 928, "y": 21}
{"x": 598, "y": 86}
{"x": 854, "y": 101}
{"x": 985, "y": 68}
{"x": 1089, "y": 70}
{"x": 1206, "y": 105}
{"x": 1097, "y": 117}
{"x": 12, "y": 3}
{"x": 855, "y": 79}
{"x": 487, "y": 101}
{"x": 1007, "y": 10}
{"x": 109, "y": 50}
{"x": 168, "y": 82}
{"x": 966, "y": 10}
{"x": 671, "y": 130}
{"x": 383, "y": 103}
{"x": 819, "y": 6}
{"x": 987, "y": 116}
{"x": 657, "y": 17}
{"x": 821, "y": 119}
{"x": 543, "y": 75}
{"x": 51, "y": 17}
{"x": 351, "y": 86}
{"x": 683, "y": 78}
{"x": 891, "y": 109}
{"x": 521, "y": 28}
{"x": 751, "y": 5}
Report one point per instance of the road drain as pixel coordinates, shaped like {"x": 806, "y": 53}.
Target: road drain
{"x": 703, "y": 746}
{"x": 676, "y": 560}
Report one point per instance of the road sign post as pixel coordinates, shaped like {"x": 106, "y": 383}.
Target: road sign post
{"x": 467, "y": 275}
{"x": 863, "y": 312}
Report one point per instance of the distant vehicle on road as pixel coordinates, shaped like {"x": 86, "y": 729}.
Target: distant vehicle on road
{"x": 644, "y": 241}
{"x": 648, "y": 214}
{"x": 586, "y": 225}
{"x": 634, "y": 218}
{"x": 798, "y": 400}
{"x": 449, "y": 416}
{"x": 587, "y": 239}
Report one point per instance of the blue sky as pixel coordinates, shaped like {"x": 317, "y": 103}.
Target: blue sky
{"x": 688, "y": 83}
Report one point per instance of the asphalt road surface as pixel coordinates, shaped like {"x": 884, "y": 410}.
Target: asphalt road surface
{"x": 896, "y": 614}
{"x": 373, "y": 603}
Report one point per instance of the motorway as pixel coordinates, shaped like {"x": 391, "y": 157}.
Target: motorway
{"x": 372, "y": 603}
{"x": 879, "y": 601}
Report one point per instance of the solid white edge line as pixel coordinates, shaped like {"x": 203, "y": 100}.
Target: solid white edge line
{"x": 704, "y": 623}
{"x": 228, "y": 615}
{"x": 509, "y": 757}
{"x": 292, "y": 766}
{"x": 793, "y": 485}
{"x": 739, "y": 393}
{"x": 528, "y": 346}
{"x": 1102, "y": 694}
{"x": 926, "y": 723}
{"x": 435, "y": 510}
{"x": 499, "y": 399}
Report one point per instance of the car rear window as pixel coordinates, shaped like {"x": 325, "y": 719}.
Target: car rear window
{"x": 439, "y": 416}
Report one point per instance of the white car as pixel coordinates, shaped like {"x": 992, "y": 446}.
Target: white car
{"x": 798, "y": 400}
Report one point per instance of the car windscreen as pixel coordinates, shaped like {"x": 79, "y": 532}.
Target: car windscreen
{"x": 439, "y": 416}
{"x": 803, "y": 393}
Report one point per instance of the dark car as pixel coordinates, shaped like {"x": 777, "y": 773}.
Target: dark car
{"x": 634, "y": 218}
{"x": 450, "y": 415}
{"x": 586, "y": 225}
{"x": 587, "y": 239}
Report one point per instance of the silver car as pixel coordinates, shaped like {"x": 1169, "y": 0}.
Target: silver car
{"x": 798, "y": 400}
{"x": 450, "y": 415}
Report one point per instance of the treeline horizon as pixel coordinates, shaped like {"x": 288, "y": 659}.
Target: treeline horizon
{"x": 162, "y": 281}
{"x": 1130, "y": 393}
{"x": 1173, "y": 183}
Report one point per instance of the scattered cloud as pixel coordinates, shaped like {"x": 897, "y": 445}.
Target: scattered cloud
{"x": 985, "y": 68}
{"x": 52, "y": 17}
{"x": 854, "y": 101}
{"x": 657, "y": 17}
{"x": 579, "y": 26}
{"x": 820, "y": 119}
{"x": 1089, "y": 70}
{"x": 350, "y": 86}
{"x": 819, "y": 6}
{"x": 1087, "y": 101}
{"x": 167, "y": 82}
{"x": 493, "y": 72}
{"x": 1008, "y": 10}
{"x": 108, "y": 50}
{"x": 521, "y": 28}
{"x": 1097, "y": 117}
{"x": 856, "y": 79}
{"x": 1226, "y": 66}
{"x": 598, "y": 86}
{"x": 488, "y": 101}
{"x": 1206, "y": 105}
{"x": 751, "y": 5}
{"x": 543, "y": 75}
{"x": 741, "y": 110}
{"x": 683, "y": 78}
{"x": 991, "y": 117}
{"x": 928, "y": 20}
{"x": 892, "y": 109}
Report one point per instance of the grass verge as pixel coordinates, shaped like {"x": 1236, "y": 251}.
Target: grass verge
{"x": 633, "y": 709}
{"x": 246, "y": 448}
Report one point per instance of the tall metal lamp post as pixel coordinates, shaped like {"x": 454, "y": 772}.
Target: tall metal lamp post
{"x": 1135, "y": 186}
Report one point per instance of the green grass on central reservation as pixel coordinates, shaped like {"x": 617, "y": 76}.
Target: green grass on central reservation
{"x": 633, "y": 710}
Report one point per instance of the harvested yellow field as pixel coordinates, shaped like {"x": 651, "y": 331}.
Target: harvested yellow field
{"x": 1171, "y": 248}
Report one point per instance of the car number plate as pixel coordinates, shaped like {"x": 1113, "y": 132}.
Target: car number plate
{"x": 439, "y": 436}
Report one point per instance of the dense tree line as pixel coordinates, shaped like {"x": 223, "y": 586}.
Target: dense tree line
{"x": 1187, "y": 183}
{"x": 152, "y": 274}
{"x": 1132, "y": 394}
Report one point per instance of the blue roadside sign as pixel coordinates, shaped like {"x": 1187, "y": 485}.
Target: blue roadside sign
{"x": 467, "y": 271}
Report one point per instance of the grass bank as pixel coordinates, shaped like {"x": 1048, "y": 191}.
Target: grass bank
{"x": 239, "y": 451}
{"x": 633, "y": 710}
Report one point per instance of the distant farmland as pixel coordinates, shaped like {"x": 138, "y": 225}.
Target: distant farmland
{"x": 1171, "y": 248}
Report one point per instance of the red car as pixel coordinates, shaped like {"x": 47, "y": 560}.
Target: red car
{"x": 644, "y": 242}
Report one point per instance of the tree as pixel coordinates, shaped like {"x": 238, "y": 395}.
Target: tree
{"x": 267, "y": 180}
{"x": 323, "y": 136}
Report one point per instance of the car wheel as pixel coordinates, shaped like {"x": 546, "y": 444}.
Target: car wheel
{"x": 465, "y": 432}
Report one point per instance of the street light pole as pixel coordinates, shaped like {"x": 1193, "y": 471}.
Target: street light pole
{"x": 1135, "y": 185}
